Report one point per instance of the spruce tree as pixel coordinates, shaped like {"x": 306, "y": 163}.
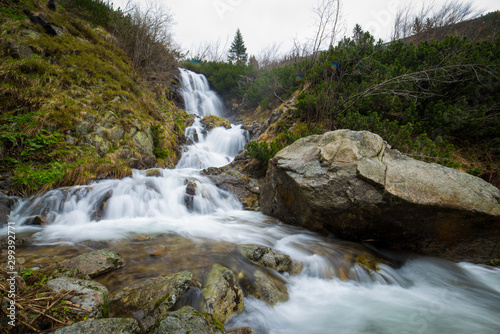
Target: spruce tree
{"x": 238, "y": 51}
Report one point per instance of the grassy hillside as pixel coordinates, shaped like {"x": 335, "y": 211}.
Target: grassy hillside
{"x": 72, "y": 108}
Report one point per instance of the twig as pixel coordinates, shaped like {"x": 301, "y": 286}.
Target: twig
{"x": 55, "y": 302}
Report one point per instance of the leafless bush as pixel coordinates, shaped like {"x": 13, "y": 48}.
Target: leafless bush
{"x": 211, "y": 51}
{"x": 144, "y": 34}
{"x": 409, "y": 22}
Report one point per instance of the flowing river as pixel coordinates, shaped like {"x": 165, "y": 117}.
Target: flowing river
{"x": 159, "y": 230}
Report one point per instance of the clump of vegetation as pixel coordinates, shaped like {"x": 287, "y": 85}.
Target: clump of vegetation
{"x": 212, "y": 121}
{"x": 38, "y": 308}
{"x": 265, "y": 151}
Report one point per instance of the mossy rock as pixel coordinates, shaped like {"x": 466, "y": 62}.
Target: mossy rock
{"x": 212, "y": 121}
{"x": 187, "y": 320}
{"x": 91, "y": 295}
{"x": 223, "y": 293}
{"x": 96, "y": 263}
{"x": 264, "y": 286}
{"x": 150, "y": 298}
{"x": 266, "y": 257}
{"x": 99, "y": 326}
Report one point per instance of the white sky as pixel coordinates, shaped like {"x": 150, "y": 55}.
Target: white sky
{"x": 265, "y": 22}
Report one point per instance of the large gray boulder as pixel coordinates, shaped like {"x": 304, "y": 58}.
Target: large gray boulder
{"x": 353, "y": 185}
{"x": 223, "y": 293}
{"x": 99, "y": 326}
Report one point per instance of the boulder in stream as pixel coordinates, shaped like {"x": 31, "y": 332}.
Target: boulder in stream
{"x": 353, "y": 185}
{"x": 95, "y": 263}
{"x": 223, "y": 293}
{"x": 150, "y": 298}
{"x": 187, "y": 320}
{"x": 266, "y": 257}
{"x": 91, "y": 295}
{"x": 263, "y": 285}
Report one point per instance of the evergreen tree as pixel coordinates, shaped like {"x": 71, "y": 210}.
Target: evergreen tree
{"x": 238, "y": 51}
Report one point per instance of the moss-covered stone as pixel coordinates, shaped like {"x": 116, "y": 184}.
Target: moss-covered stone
{"x": 264, "y": 286}
{"x": 266, "y": 257}
{"x": 212, "y": 121}
{"x": 100, "y": 326}
{"x": 150, "y": 298}
{"x": 223, "y": 293}
{"x": 96, "y": 263}
{"x": 187, "y": 320}
{"x": 91, "y": 295}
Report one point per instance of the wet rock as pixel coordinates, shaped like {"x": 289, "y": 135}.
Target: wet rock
{"x": 296, "y": 268}
{"x": 187, "y": 320}
{"x": 153, "y": 172}
{"x": 100, "y": 206}
{"x": 264, "y": 286}
{"x": 6, "y": 205}
{"x": 69, "y": 272}
{"x": 266, "y": 257}
{"x": 36, "y": 221}
{"x": 190, "y": 193}
{"x": 191, "y": 188}
{"x": 91, "y": 295}
{"x": 242, "y": 330}
{"x": 222, "y": 292}
{"x": 99, "y": 326}
{"x": 150, "y": 298}
{"x": 96, "y": 263}
{"x": 353, "y": 185}
{"x": 235, "y": 179}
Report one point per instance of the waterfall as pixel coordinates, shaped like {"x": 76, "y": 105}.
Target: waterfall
{"x": 425, "y": 295}
{"x": 199, "y": 99}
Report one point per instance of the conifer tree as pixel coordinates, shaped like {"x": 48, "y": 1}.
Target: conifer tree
{"x": 238, "y": 51}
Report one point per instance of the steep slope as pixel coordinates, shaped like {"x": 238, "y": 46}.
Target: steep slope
{"x": 72, "y": 109}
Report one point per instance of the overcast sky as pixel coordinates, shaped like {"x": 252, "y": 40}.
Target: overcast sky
{"x": 264, "y": 22}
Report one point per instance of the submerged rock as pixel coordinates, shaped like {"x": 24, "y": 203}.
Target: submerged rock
{"x": 187, "y": 320}
{"x": 151, "y": 298}
{"x": 222, "y": 292}
{"x": 242, "y": 330}
{"x": 264, "y": 286}
{"x": 266, "y": 257}
{"x": 99, "y": 326}
{"x": 6, "y": 205}
{"x": 351, "y": 184}
{"x": 91, "y": 295}
{"x": 96, "y": 263}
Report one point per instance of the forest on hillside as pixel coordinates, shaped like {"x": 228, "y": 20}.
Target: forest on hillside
{"x": 436, "y": 100}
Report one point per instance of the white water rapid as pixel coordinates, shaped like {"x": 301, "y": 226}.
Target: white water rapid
{"x": 424, "y": 295}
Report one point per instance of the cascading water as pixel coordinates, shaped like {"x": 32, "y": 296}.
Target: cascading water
{"x": 424, "y": 295}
